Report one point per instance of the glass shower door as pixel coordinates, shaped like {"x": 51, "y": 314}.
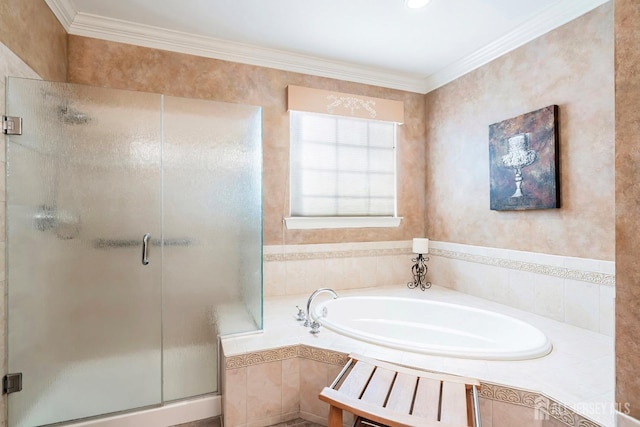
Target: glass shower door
{"x": 212, "y": 223}
{"x": 84, "y": 310}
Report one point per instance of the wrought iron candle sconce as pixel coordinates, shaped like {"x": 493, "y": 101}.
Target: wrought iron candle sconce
{"x": 419, "y": 269}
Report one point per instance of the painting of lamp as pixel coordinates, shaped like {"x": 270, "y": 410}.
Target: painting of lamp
{"x": 518, "y": 157}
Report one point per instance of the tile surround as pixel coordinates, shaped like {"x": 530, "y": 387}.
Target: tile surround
{"x": 318, "y": 368}
{"x": 624, "y": 420}
{"x": 579, "y": 372}
{"x": 577, "y": 291}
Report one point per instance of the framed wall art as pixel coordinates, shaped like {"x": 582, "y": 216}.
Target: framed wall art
{"x": 524, "y": 163}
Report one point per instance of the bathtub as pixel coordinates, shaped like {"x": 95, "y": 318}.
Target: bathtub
{"x": 432, "y": 327}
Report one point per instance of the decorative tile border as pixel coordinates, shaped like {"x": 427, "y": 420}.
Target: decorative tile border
{"x": 562, "y": 272}
{"x": 545, "y": 406}
{"x": 264, "y": 356}
{"x": 303, "y": 256}
{"x": 325, "y": 356}
{"x": 531, "y": 267}
{"x": 283, "y": 353}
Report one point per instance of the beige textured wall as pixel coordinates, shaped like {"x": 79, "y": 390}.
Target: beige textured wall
{"x": 627, "y": 17}
{"x": 571, "y": 67}
{"x": 109, "y": 64}
{"x": 31, "y": 31}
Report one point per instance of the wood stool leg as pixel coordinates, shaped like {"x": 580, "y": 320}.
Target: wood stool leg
{"x": 335, "y": 416}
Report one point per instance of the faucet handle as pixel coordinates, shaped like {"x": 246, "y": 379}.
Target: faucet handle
{"x": 315, "y": 328}
{"x": 300, "y": 316}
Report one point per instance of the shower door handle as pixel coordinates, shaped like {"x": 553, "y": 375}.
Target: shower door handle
{"x": 145, "y": 248}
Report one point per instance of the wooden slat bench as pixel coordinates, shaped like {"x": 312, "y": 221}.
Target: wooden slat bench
{"x": 399, "y": 396}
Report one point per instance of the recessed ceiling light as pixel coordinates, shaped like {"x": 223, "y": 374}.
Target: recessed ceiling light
{"x": 416, "y": 4}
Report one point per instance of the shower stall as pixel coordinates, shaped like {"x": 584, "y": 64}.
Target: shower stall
{"x": 134, "y": 239}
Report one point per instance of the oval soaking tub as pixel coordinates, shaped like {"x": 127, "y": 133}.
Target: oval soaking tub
{"x": 433, "y": 327}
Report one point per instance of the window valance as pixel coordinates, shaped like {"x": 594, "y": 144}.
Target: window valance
{"x": 342, "y": 104}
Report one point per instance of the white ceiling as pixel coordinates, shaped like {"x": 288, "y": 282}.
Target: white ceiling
{"x": 377, "y": 42}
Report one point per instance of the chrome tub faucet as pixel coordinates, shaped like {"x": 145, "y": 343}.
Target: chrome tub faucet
{"x": 315, "y": 326}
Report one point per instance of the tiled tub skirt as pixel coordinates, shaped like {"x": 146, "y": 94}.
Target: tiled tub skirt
{"x": 539, "y": 406}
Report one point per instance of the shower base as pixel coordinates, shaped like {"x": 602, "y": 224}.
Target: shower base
{"x": 66, "y": 397}
{"x": 171, "y": 414}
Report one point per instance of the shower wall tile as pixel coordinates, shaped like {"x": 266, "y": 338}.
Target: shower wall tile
{"x": 552, "y": 422}
{"x": 585, "y": 264}
{"x": 486, "y": 411}
{"x": 495, "y": 281}
{"x": 442, "y": 271}
{"x": 607, "y": 310}
{"x": 508, "y": 415}
{"x": 301, "y": 269}
{"x": 315, "y": 378}
{"x": 235, "y": 397}
{"x": 332, "y": 271}
{"x": 549, "y": 297}
{"x": 316, "y": 368}
{"x": 303, "y": 276}
{"x": 264, "y": 391}
{"x": 362, "y": 272}
{"x": 623, "y": 420}
{"x": 573, "y": 290}
{"x": 521, "y": 289}
{"x": 584, "y": 309}
{"x": 274, "y": 275}
{"x": 393, "y": 269}
{"x": 608, "y": 267}
{"x": 291, "y": 386}
{"x": 576, "y": 291}
{"x": 311, "y": 384}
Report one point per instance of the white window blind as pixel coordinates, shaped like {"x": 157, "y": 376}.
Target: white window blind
{"x": 342, "y": 166}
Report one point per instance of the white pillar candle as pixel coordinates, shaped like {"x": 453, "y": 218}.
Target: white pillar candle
{"x": 420, "y": 246}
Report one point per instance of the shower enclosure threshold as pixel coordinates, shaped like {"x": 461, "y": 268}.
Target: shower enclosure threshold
{"x": 170, "y": 414}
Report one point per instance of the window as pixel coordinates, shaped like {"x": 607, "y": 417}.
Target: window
{"x": 342, "y": 166}
{"x": 342, "y": 159}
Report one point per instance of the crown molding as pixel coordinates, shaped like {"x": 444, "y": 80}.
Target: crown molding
{"x": 83, "y": 24}
{"x": 64, "y": 11}
{"x": 549, "y": 19}
{"x": 159, "y": 38}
